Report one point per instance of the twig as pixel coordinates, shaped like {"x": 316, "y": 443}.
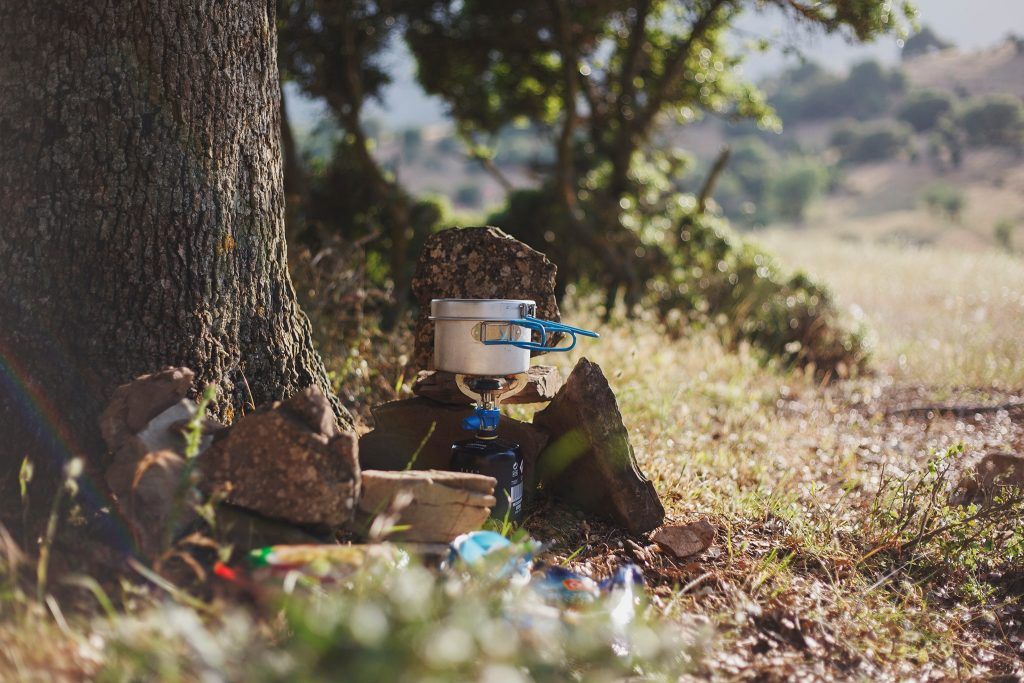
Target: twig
{"x": 693, "y": 584}
{"x": 712, "y": 179}
{"x": 956, "y": 411}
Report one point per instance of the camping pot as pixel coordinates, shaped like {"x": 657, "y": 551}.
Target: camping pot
{"x": 492, "y": 337}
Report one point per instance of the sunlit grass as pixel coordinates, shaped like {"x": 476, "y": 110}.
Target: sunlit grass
{"x": 941, "y": 317}
{"x": 788, "y": 471}
{"x": 799, "y": 581}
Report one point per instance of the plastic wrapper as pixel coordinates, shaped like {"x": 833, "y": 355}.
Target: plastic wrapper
{"x": 322, "y": 564}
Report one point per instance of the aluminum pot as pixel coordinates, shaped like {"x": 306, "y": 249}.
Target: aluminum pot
{"x": 491, "y": 337}
{"x": 462, "y": 325}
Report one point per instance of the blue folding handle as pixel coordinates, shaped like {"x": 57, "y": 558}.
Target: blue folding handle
{"x": 543, "y": 327}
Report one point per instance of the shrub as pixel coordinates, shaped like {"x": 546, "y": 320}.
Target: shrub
{"x": 700, "y": 274}
{"x": 946, "y": 143}
{"x": 1004, "y": 234}
{"x": 724, "y": 282}
{"x": 924, "y": 108}
{"x": 791, "y": 189}
{"x": 994, "y": 120}
{"x": 944, "y": 200}
{"x": 741, "y": 192}
{"x": 879, "y": 141}
{"x": 809, "y": 92}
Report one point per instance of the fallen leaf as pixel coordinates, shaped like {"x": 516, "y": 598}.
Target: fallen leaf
{"x": 683, "y": 540}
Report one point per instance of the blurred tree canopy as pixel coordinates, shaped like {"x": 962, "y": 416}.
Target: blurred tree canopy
{"x": 600, "y": 76}
{"x": 335, "y": 51}
{"x": 597, "y": 79}
{"x": 924, "y": 109}
{"x": 808, "y": 92}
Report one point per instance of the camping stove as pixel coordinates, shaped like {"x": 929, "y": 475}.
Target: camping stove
{"x": 487, "y": 344}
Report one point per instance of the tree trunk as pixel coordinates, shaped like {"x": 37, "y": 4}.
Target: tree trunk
{"x": 143, "y": 215}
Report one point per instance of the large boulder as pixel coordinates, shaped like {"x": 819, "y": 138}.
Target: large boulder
{"x": 424, "y": 506}
{"x": 478, "y": 263}
{"x": 419, "y": 424}
{"x": 543, "y": 382}
{"x": 589, "y": 461}
{"x": 288, "y": 461}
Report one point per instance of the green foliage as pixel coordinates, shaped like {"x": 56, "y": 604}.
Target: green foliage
{"x": 741, "y": 191}
{"x": 946, "y": 144}
{"x": 722, "y": 281}
{"x": 1003, "y": 233}
{"x": 874, "y": 141}
{"x": 791, "y": 188}
{"x": 994, "y": 120}
{"x": 594, "y": 78}
{"x": 923, "y": 109}
{"x": 762, "y": 185}
{"x": 807, "y": 92}
{"x": 341, "y": 203}
{"x": 334, "y": 50}
{"x": 913, "y": 522}
{"x": 398, "y": 621}
{"x": 945, "y": 201}
{"x": 924, "y": 42}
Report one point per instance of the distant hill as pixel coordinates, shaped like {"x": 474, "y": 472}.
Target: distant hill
{"x": 999, "y": 69}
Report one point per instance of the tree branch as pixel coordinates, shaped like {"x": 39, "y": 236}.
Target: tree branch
{"x": 712, "y": 179}
{"x": 564, "y": 153}
{"x": 492, "y": 169}
{"x": 674, "y": 67}
{"x": 637, "y": 35}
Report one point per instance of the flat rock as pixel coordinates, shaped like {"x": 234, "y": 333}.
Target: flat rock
{"x": 684, "y": 540}
{"x": 478, "y": 263}
{"x": 135, "y": 404}
{"x": 543, "y": 383}
{"x": 402, "y": 426}
{"x": 433, "y": 506}
{"x": 288, "y": 461}
{"x": 590, "y": 461}
{"x": 994, "y": 474}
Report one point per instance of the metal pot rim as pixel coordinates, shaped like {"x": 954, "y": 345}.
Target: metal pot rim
{"x": 481, "y": 309}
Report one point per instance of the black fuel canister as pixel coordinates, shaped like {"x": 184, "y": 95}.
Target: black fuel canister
{"x": 496, "y": 457}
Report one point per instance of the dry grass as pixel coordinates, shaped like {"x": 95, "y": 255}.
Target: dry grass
{"x": 790, "y": 472}
{"x": 807, "y": 577}
{"x": 940, "y": 317}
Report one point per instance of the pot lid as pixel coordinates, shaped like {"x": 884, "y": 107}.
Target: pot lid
{"x": 481, "y": 309}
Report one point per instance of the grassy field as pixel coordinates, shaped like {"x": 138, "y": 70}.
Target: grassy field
{"x": 836, "y": 557}
{"x": 809, "y": 576}
{"x": 939, "y": 316}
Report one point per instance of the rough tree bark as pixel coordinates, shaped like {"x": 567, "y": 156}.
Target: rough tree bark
{"x": 142, "y": 214}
